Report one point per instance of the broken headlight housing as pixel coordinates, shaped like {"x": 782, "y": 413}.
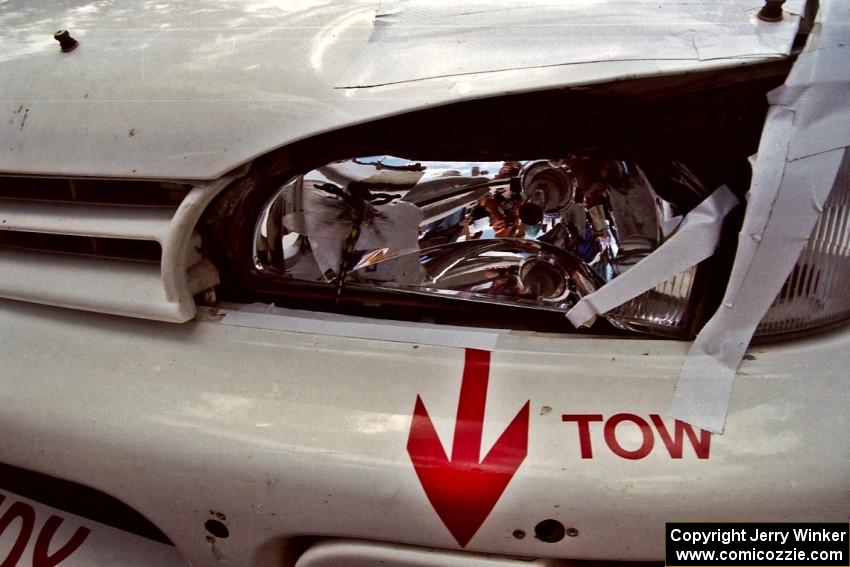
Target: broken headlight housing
{"x": 526, "y": 216}
{"x": 532, "y": 235}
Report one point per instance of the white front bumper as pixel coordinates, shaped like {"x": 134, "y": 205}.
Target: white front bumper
{"x": 289, "y": 434}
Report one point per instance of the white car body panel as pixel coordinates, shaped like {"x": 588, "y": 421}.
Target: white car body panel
{"x": 290, "y": 433}
{"x": 307, "y": 433}
{"x": 171, "y": 90}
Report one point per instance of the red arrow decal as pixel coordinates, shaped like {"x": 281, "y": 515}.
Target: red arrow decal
{"x": 463, "y": 490}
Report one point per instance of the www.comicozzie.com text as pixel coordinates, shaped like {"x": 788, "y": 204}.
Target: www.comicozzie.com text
{"x": 726, "y": 536}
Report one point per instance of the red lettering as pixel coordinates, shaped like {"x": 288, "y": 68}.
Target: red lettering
{"x": 27, "y": 516}
{"x": 40, "y": 558}
{"x": 675, "y": 445}
{"x": 614, "y": 445}
{"x": 583, "y": 421}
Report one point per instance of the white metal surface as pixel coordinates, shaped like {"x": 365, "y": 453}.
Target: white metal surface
{"x": 107, "y": 221}
{"x": 292, "y": 433}
{"x": 172, "y": 90}
{"x": 41, "y": 535}
{"x": 481, "y": 36}
{"x": 107, "y": 286}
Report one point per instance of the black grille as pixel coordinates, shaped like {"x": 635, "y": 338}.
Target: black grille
{"x": 95, "y": 191}
{"x": 114, "y": 248}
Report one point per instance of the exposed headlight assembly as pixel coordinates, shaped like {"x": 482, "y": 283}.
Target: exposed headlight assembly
{"x": 533, "y": 234}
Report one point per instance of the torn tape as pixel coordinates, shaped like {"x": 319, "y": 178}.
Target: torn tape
{"x": 762, "y": 264}
{"x": 818, "y": 85}
{"x": 694, "y": 241}
{"x": 801, "y": 150}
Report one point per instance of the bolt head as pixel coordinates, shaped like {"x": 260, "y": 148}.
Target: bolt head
{"x": 65, "y": 40}
{"x": 771, "y": 11}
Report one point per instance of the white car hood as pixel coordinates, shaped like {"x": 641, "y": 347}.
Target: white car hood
{"x": 179, "y": 90}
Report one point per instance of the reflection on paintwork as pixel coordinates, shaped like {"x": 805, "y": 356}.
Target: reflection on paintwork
{"x": 328, "y": 35}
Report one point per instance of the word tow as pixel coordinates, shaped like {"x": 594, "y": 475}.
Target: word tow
{"x": 622, "y": 426}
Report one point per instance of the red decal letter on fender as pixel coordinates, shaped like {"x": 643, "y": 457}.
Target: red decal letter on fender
{"x": 27, "y": 516}
{"x": 583, "y": 421}
{"x": 675, "y": 445}
{"x": 39, "y": 554}
{"x": 614, "y": 445}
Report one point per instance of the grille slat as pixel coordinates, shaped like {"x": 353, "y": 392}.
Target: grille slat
{"x": 104, "y": 221}
{"x": 111, "y": 246}
{"x": 94, "y": 191}
{"x": 80, "y": 282}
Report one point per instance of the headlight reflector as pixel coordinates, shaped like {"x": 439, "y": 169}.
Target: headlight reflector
{"x": 817, "y": 291}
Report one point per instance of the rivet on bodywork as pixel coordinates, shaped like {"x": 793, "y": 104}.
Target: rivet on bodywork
{"x": 65, "y": 40}
{"x": 771, "y": 11}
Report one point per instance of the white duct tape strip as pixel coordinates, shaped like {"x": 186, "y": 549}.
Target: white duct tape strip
{"x": 694, "y": 241}
{"x": 262, "y": 316}
{"x": 801, "y": 150}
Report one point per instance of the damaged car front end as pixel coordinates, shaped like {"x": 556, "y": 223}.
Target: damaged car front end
{"x": 347, "y": 283}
